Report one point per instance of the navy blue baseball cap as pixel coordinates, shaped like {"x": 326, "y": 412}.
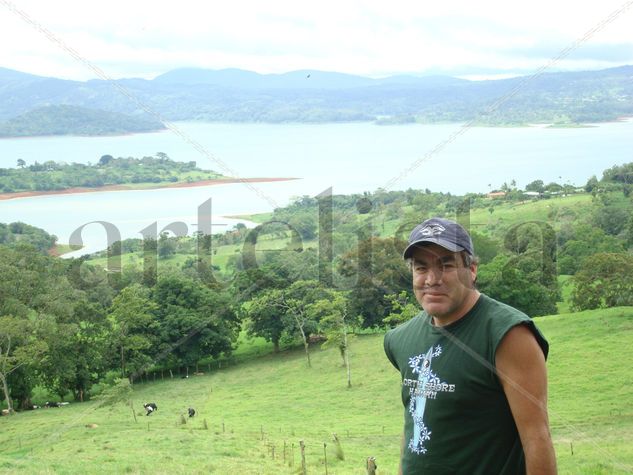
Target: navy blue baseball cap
{"x": 440, "y": 231}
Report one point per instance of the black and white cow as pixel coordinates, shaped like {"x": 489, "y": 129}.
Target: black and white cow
{"x": 192, "y": 412}
{"x": 150, "y": 407}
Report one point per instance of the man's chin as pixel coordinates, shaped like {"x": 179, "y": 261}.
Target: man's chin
{"x": 434, "y": 309}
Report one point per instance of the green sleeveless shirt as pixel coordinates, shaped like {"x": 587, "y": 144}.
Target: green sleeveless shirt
{"x": 457, "y": 418}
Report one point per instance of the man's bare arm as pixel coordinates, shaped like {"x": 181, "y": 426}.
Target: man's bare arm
{"x": 521, "y": 368}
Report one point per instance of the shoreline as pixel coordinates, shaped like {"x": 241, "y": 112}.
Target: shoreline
{"x": 131, "y": 187}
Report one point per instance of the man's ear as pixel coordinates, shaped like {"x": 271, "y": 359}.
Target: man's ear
{"x": 473, "y": 273}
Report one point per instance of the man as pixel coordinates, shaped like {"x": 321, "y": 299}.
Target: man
{"x": 474, "y": 384}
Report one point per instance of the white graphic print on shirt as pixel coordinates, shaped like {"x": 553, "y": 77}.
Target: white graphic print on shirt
{"x": 425, "y": 387}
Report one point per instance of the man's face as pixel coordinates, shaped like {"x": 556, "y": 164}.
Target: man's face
{"x": 441, "y": 283}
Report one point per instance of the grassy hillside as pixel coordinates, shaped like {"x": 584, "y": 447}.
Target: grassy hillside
{"x": 258, "y": 406}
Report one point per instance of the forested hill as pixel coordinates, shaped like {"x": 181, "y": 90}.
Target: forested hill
{"x": 315, "y": 96}
{"x": 51, "y": 175}
{"x": 73, "y": 120}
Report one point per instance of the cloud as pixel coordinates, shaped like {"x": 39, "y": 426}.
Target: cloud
{"x": 369, "y": 37}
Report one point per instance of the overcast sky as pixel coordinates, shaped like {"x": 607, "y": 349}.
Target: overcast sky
{"x": 140, "y": 38}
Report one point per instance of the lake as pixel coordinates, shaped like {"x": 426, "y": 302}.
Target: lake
{"x": 350, "y": 158}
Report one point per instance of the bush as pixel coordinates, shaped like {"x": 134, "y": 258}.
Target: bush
{"x": 109, "y": 380}
{"x": 605, "y": 280}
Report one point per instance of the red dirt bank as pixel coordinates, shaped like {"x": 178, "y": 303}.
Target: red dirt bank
{"x": 68, "y": 191}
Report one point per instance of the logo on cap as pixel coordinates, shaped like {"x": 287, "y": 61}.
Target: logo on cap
{"x": 432, "y": 230}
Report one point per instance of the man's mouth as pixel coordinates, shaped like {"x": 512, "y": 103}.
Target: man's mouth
{"x": 433, "y": 293}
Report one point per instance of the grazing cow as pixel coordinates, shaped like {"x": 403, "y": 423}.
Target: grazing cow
{"x": 150, "y": 407}
{"x": 5, "y": 412}
{"x": 52, "y": 404}
{"x": 192, "y": 412}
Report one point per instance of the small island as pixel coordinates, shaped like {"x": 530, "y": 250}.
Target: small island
{"x": 109, "y": 174}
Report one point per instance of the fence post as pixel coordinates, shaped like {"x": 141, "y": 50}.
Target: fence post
{"x": 303, "y": 457}
{"x": 371, "y": 466}
{"x": 325, "y": 456}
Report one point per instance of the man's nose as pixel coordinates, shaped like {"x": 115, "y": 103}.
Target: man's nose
{"x": 434, "y": 275}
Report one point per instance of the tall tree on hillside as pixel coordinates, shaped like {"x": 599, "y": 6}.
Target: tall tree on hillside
{"x": 332, "y": 313}
{"x": 375, "y": 269}
{"x": 264, "y": 318}
{"x": 19, "y": 347}
{"x": 535, "y": 243}
{"x": 194, "y": 321}
{"x": 292, "y": 307}
{"x": 132, "y": 317}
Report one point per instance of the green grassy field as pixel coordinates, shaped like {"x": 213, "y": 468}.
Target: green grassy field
{"x": 258, "y": 411}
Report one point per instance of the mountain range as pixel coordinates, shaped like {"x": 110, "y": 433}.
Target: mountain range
{"x": 316, "y": 96}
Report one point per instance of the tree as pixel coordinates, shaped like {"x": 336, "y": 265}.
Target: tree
{"x": 132, "y": 317}
{"x": 585, "y": 241}
{"x": 48, "y": 310}
{"x": 105, "y": 159}
{"x": 295, "y": 301}
{"x": 166, "y": 246}
{"x": 604, "y": 280}
{"x": 264, "y": 318}
{"x": 553, "y": 187}
{"x": 536, "y": 185}
{"x": 486, "y": 247}
{"x": 193, "y": 320}
{"x": 591, "y": 184}
{"x": 21, "y": 163}
{"x": 19, "y": 347}
{"x": 611, "y": 217}
{"x": 378, "y": 270}
{"x": 291, "y": 307}
{"x": 619, "y": 174}
{"x": 536, "y": 242}
{"x": 403, "y": 308}
{"x": 332, "y": 314}
{"x": 516, "y": 281}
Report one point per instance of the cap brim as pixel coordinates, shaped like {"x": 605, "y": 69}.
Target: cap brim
{"x": 431, "y": 240}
